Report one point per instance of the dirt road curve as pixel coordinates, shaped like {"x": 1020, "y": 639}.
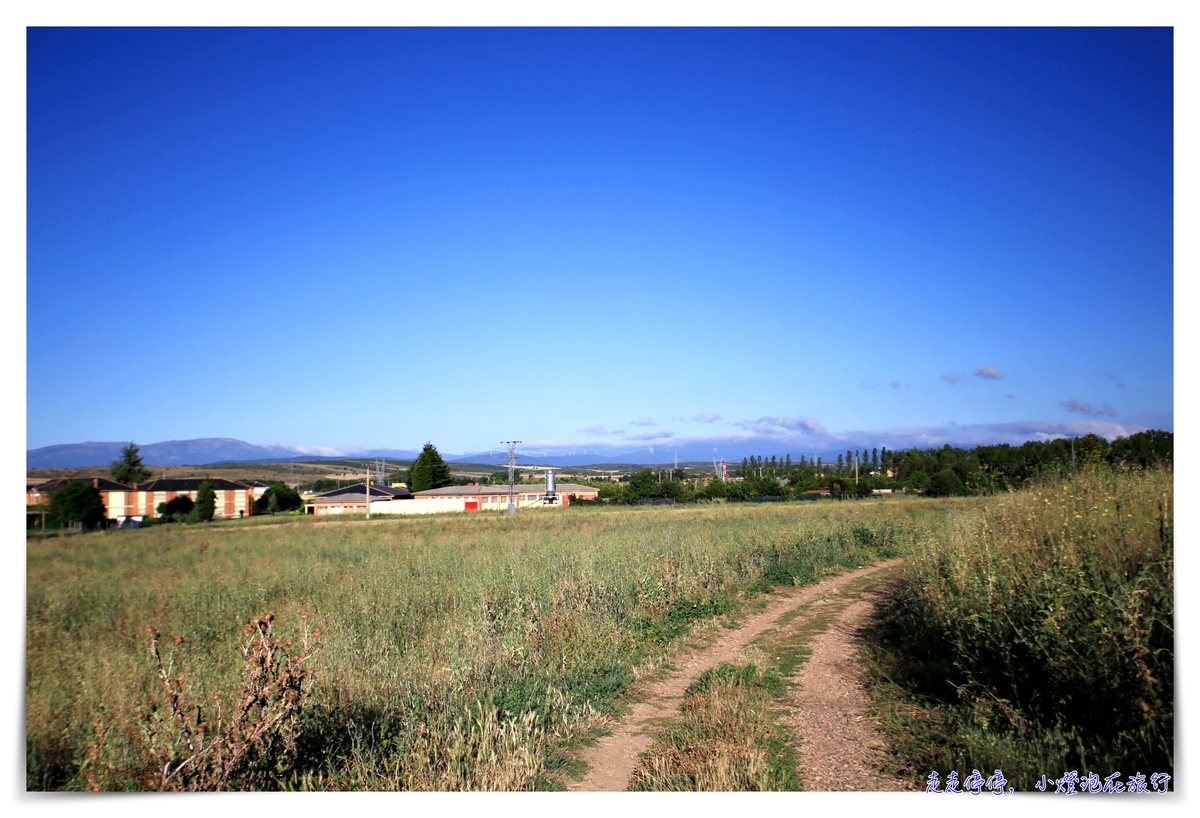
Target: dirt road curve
{"x": 614, "y": 757}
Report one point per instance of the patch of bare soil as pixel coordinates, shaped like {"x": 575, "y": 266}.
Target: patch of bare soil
{"x": 613, "y": 759}
{"x": 841, "y": 748}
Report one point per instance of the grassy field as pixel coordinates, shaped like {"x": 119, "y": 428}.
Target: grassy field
{"x": 1037, "y": 635}
{"x": 455, "y": 652}
{"x": 1033, "y": 633}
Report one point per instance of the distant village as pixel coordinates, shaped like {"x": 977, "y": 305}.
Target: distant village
{"x": 130, "y": 497}
{"x": 136, "y": 503}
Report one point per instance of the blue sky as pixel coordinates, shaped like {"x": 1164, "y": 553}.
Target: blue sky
{"x": 761, "y": 240}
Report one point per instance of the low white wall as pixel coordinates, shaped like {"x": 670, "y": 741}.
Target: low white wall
{"x": 424, "y": 505}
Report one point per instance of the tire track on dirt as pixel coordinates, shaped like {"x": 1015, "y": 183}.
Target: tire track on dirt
{"x": 613, "y": 758}
{"x": 841, "y": 748}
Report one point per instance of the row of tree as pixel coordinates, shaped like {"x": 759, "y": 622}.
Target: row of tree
{"x": 941, "y": 471}
{"x": 944, "y": 471}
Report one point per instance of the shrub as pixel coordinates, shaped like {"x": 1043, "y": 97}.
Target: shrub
{"x": 177, "y": 508}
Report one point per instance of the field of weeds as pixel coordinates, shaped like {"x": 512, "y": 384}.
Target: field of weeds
{"x": 445, "y": 653}
{"x": 1037, "y": 635}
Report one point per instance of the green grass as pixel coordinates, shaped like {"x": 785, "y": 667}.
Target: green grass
{"x": 1037, "y": 635}
{"x": 459, "y": 651}
{"x": 725, "y": 737}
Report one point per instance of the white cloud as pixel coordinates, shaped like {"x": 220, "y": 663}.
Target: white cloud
{"x": 644, "y": 436}
{"x": 593, "y": 430}
{"x": 989, "y": 373}
{"x": 643, "y": 422}
{"x": 954, "y": 377}
{"x": 707, "y": 417}
{"x": 779, "y": 426}
{"x": 778, "y": 441}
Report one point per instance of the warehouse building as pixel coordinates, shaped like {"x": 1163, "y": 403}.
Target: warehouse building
{"x": 353, "y": 499}
{"x": 475, "y": 497}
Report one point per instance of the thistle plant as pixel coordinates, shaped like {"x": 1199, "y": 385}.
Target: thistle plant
{"x": 249, "y": 743}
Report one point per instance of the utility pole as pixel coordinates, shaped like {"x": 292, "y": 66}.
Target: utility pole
{"x": 856, "y": 467}
{"x": 367, "y": 489}
{"x": 1072, "y": 449}
{"x": 512, "y": 465}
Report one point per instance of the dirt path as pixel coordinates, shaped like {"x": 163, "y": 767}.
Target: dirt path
{"x": 612, "y": 760}
{"x": 841, "y": 748}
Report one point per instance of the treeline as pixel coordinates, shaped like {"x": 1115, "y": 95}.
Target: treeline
{"x": 944, "y": 471}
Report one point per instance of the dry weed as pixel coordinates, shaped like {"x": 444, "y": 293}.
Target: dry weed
{"x": 253, "y": 742}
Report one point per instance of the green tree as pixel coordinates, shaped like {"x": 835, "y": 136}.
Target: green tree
{"x": 77, "y": 502}
{"x": 614, "y": 492}
{"x": 643, "y": 485}
{"x": 715, "y": 489}
{"x": 279, "y": 496}
{"x": 429, "y": 471}
{"x": 206, "y": 501}
{"x": 129, "y": 469}
{"x": 1152, "y": 447}
{"x": 917, "y": 480}
{"x": 177, "y": 508}
{"x": 945, "y": 484}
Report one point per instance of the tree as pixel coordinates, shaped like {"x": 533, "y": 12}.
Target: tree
{"x": 129, "y": 469}
{"x": 429, "y": 471}
{"x": 77, "y": 502}
{"x": 945, "y": 484}
{"x": 206, "y": 501}
{"x": 642, "y": 486}
{"x": 1152, "y": 447}
{"x": 176, "y": 509}
{"x": 917, "y": 480}
{"x": 609, "y": 491}
{"x": 715, "y": 489}
{"x": 279, "y": 496}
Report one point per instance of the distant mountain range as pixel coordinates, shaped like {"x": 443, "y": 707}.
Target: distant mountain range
{"x": 210, "y": 450}
{"x": 201, "y": 452}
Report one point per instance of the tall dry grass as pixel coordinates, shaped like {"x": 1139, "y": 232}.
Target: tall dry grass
{"x": 1049, "y": 615}
{"x": 458, "y": 652}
